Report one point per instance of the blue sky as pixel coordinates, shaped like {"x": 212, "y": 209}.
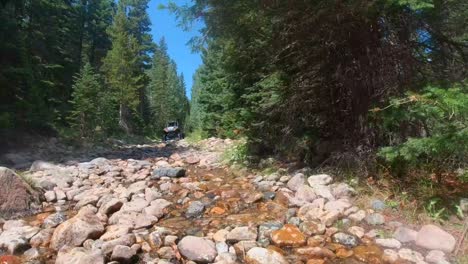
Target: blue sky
{"x": 164, "y": 24}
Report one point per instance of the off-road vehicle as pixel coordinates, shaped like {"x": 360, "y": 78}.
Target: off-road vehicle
{"x": 172, "y": 131}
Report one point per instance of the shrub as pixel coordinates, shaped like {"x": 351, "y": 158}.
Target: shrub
{"x": 432, "y": 128}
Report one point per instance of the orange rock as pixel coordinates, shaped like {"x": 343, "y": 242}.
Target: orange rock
{"x": 344, "y": 253}
{"x": 217, "y": 211}
{"x": 316, "y": 261}
{"x": 368, "y": 254}
{"x": 316, "y": 252}
{"x": 9, "y": 259}
{"x": 277, "y": 249}
{"x": 314, "y": 242}
{"x": 288, "y": 235}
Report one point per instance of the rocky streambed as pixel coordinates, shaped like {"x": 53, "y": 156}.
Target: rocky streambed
{"x": 178, "y": 204}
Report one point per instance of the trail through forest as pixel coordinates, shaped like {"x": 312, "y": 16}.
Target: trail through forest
{"x": 179, "y": 203}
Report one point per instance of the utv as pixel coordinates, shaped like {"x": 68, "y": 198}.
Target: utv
{"x": 172, "y": 131}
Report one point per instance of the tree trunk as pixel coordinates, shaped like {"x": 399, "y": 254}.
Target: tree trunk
{"x": 123, "y": 122}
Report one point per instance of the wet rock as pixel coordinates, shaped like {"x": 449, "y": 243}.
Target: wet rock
{"x": 405, "y": 235}
{"x": 42, "y": 239}
{"x": 289, "y": 235}
{"x": 375, "y": 219}
{"x": 16, "y": 197}
{"x": 242, "y": 233}
{"x": 315, "y": 252}
{"x": 390, "y": 256}
{"x": 296, "y": 181}
{"x": 123, "y": 254}
{"x": 195, "y": 209}
{"x": 54, "y": 220}
{"x": 79, "y": 256}
{"x": 410, "y": 255}
{"x": 437, "y": 257}
{"x": 434, "y": 238}
{"x": 345, "y": 239}
{"x": 197, "y": 249}
{"x": 388, "y": 242}
{"x": 167, "y": 172}
{"x": 378, "y": 205}
{"x": 319, "y": 179}
{"x": 76, "y": 230}
{"x": 264, "y": 232}
{"x": 259, "y": 255}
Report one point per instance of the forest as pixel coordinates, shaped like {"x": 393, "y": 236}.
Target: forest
{"x": 85, "y": 69}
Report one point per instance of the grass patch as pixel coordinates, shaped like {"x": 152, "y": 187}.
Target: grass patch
{"x": 195, "y": 137}
{"x": 28, "y": 179}
{"x": 236, "y": 154}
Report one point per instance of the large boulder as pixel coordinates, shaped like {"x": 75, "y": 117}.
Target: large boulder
{"x": 168, "y": 172}
{"x": 16, "y": 235}
{"x": 434, "y": 238}
{"x": 74, "y": 232}
{"x": 16, "y": 196}
{"x": 197, "y": 249}
{"x": 260, "y": 255}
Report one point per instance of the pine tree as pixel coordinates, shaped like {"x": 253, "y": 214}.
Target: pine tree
{"x": 121, "y": 68}
{"x": 86, "y": 90}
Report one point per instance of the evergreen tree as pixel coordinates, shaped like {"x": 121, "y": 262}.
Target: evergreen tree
{"x": 121, "y": 68}
{"x": 86, "y": 90}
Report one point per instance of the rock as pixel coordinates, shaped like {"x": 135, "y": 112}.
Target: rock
{"x": 197, "y": 249}
{"x": 88, "y": 200}
{"x": 152, "y": 194}
{"x": 15, "y": 239}
{"x": 388, "y": 242}
{"x": 54, "y": 220}
{"x": 311, "y": 228}
{"x": 50, "y": 196}
{"x": 296, "y": 181}
{"x": 342, "y": 190}
{"x": 167, "y": 172}
{"x": 31, "y": 254}
{"x": 167, "y": 253}
{"x": 305, "y": 194}
{"x": 436, "y": 257}
{"x": 42, "y": 239}
{"x": 242, "y": 233}
{"x": 122, "y": 254}
{"x": 410, "y": 255}
{"x": 378, "y": 205}
{"x": 289, "y": 235}
{"x": 222, "y": 247}
{"x": 132, "y": 219}
{"x": 192, "y": 160}
{"x": 195, "y": 209}
{"x": 357, "y": 231}
{"x": 40, "y": 165}
{"x": 170, "y": 240}
{"x": 344, "y": 239}
{"x": 9, "y": 259}
{"x": 319, "y": 179}
{"x": 464, "y": 204}
{"x": 434, "y": 238}
{"x": 126, "y": 240}
{"x": 220, "y": 235}
{"x": 158, "y": 208}
{"x": 111, "y": 206}
{"x": 375, "y": 219}
{"x": 155, "y": 239}
{"x": 79, "y": 256}
{"x": 136, "y": 205}
{"x": 259, "y": 255}
{"x": 358, "y": 216}
{"x": 76, "y": 230}
{"x": 337, "y": 206}
{"x": 319, "y": 252}
{"x": 390, "y": 256}
{"x": 115, "y": 231}
{"x": 323, "y": 191}
{"x": 405, "y": 235}
{"x": 137, "y": 187}
{"x": 16, "y": 197}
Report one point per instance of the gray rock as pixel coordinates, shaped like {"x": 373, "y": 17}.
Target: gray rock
{"x": 269, "y": 195}
{"x": 167, "y": 172}
{"x": 54, "y": 220}
{"x": 111, "y": 206}
{"x": 15, "y": 237}
{"x": 375, "y": 219}
{"x": 264, "y": 232}
{"x": 195, "y": 209}
{"x": 260, "y": 255}
{"x": 197, "y": 249}
{"x": 32, "y": 254}
{"x": 378, "y": 205}
{"x": 464, "y": 204}
{"x": 42, "y": 239}
{"x": 405, "y": 235}
{"x": 344, "y": 239}
{"x": 122, "y": 254}
{"x": 436, "y": 257}
{"x": 40, "y": 165}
